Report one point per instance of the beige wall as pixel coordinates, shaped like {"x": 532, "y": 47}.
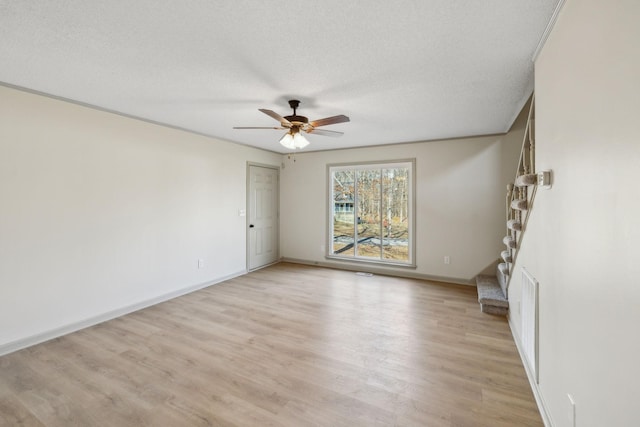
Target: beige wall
{"x": 100, "y": 212}
{"x": 582, "y": 240}
{"x": 461, "y": 185}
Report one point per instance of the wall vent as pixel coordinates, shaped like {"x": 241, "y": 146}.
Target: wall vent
{"x": 530, "y": 321}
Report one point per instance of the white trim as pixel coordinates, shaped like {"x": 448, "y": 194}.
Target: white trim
{"x": 109, "y": 315}
{"x": 547, "y": 31}
{"x": 542, "y": 407}
{"x": 411, "y": 165}
{"x": 343, "y": 265}
{"x": 278, "y": 261}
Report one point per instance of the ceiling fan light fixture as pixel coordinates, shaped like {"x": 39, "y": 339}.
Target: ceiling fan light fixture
{"x": 294, "y": 140}
{"x": 287, "y": 141}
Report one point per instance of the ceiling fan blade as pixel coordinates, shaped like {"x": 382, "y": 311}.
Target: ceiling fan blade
{"x": 276, "y": 116}
{"x": 329, "y": 121}
{"x": 325, "y": 132}
{"x": 255, "y": 127}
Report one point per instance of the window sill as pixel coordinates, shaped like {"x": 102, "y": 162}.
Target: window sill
{"x": 376, "y": 262}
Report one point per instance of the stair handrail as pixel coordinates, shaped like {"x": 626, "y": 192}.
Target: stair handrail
{"x": 526, "y": 166}
{"x": 526, "y": 162}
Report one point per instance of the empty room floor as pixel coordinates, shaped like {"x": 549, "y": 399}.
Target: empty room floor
{"x": 287, "y": 345}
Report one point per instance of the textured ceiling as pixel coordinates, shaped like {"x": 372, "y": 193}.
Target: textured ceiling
{"x": 403, "y": 71}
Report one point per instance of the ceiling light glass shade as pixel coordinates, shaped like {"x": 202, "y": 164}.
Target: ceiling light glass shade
{"x": 294, "y": 140}
{"x": 287, "y": 141}
{"x": 299, "y": 141}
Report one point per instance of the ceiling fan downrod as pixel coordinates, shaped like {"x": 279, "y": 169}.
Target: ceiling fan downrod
{"x": 294, "y": 103}
{"x": 295, "y": 118}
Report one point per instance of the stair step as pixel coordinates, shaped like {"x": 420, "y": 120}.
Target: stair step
{"x": 506, "y": 256}
{"x": 526, "y": 180}
{"x": 493, "y": 309}
{"x": 509, "y": 241}
{"x": 490, "y": 296}
{"x": 514, "y": 224}
{"x": 519, "y": 204}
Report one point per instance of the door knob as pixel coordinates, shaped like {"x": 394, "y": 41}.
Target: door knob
{"x": 251, "y": 225}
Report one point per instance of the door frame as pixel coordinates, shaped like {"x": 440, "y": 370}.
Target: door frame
{"x": 248, "y": 213}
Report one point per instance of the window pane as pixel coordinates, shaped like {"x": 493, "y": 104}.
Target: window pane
{"x": 395, "y": 222}
{"x": 368, "y": 213}
{"x": 343, "y": 213}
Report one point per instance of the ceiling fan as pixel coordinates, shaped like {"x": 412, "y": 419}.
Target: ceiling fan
{"x": 298, "y": 124}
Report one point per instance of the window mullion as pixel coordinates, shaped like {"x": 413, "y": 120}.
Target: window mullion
{"x": 356, "y": 201}
{"x": 380, "y": 213}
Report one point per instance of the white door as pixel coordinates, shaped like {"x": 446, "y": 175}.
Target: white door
{"x": 263, "y": 216}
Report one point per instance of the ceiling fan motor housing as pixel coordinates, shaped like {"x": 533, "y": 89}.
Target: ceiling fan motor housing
{"x": 294, "y": 104}
{"x": 298, "y": 119}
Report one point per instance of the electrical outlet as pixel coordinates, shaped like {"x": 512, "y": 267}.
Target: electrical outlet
{"x": 200, "y": 263}
{"x": 322, "y": 248}
{"x": 447, "y": 259}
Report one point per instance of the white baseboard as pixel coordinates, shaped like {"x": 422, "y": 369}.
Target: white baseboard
{"x": 542, "y": 407}
{"x": 94, "y": 320}
{"x": 380, "y": 271}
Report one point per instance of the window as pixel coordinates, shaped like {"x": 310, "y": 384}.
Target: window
{"x": 371, "y": 212}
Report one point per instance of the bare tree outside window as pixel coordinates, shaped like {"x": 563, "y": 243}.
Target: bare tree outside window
{"x": 370, "y": 212}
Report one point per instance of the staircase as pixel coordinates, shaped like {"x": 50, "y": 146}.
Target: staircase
{"x": 493, "y": 290}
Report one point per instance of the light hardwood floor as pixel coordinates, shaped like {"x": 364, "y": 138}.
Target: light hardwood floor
{"x": 286, "y": 345}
